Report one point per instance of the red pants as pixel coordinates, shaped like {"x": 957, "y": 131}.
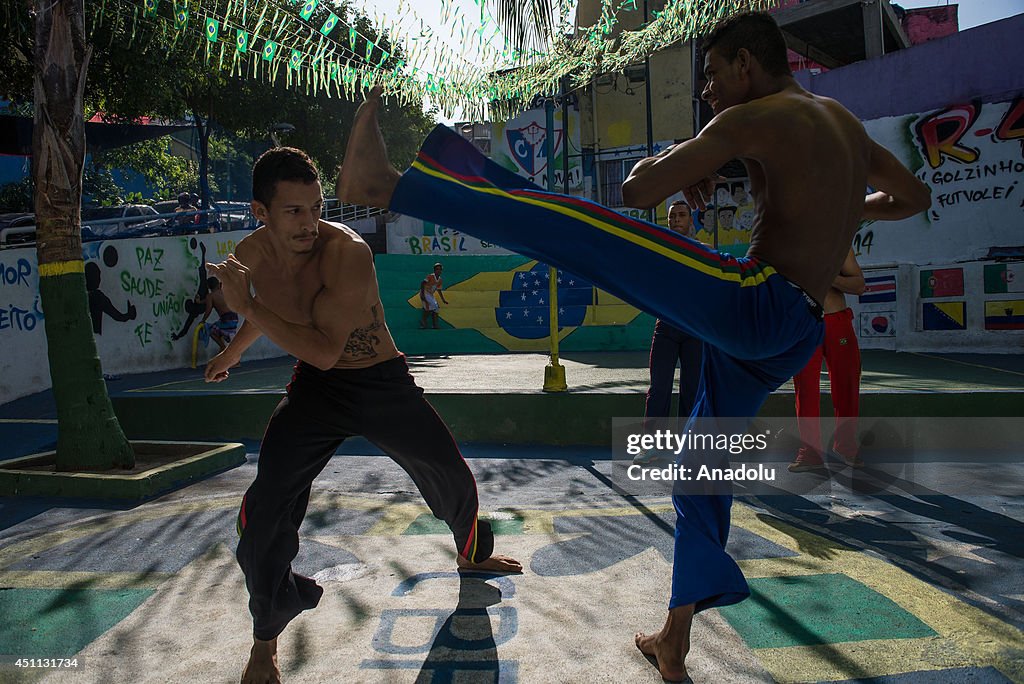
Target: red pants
{"x": 842, "y": 356}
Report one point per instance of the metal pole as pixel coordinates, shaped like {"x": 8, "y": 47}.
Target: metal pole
{"x": 554, "y": 373}
{"x": 652, "y": 213}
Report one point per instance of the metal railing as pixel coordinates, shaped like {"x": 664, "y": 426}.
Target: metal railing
{"x": 180, "y": 223}
{"x": 336, "y": 211}
{"x": 152, "y": 225}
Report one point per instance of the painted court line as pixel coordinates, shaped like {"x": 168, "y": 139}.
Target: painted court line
{"x": 968, "y": 363}
{"x": 199, "y": 376}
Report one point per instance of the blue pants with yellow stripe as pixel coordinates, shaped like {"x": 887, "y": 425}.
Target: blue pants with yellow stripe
{"x": 757, "y": 328}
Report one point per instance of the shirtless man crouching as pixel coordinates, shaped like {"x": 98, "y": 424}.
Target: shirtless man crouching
{"x": 310, "y": 286}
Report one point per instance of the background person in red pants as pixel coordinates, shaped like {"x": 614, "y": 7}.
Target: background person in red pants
{"x": 842, "y": 356}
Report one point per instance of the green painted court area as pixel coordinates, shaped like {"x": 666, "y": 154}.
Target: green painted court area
{"x": 58, "y": 623}
{"x": 808, "y": 610}
{"x": 500, "y": 524}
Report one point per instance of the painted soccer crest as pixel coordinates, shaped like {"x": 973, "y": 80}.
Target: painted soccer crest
{"x": 527, "y": 145}
{"x": 519, "y": 146}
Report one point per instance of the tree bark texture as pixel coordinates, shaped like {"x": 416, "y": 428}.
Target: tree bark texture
{"x": 89, "y": 435}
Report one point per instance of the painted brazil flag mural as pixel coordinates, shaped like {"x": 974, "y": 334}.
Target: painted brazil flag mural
{"x": 512, "y": 307}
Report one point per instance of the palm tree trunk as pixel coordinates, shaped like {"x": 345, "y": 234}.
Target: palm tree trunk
{"x": 89, "y": 436}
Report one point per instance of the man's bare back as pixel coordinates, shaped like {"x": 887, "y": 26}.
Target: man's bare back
{"x": 291, "y": 292}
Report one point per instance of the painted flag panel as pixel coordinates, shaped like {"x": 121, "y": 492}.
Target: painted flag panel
{"x": 877, "y": 323}
{"x": 944, "y": 315}
{"x": 881, "y": 288}
{"x": 1000, "y": 278}
{"x": 1004, "y": 315}
{"x": 943, "y": 282}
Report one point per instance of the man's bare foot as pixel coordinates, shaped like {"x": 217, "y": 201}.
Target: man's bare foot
{"x": 262, "y": 666}
{"x": 670, "y": 646}
{"x": 366, "y": 176}
{"x": 492, "y": 564}
{"x": 670, "y": 661}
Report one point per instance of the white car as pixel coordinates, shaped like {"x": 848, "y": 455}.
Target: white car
{"x": 121, "y": 221}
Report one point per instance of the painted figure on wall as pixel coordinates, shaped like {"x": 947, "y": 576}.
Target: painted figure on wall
{"x": 99, "y": 303}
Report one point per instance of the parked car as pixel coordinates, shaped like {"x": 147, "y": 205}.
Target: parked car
{"x": 126, "y": 220}
{"x": 234, "y": 215}
{"x": 17, "y": 229}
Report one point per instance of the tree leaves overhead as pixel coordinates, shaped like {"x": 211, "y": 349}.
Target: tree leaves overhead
{"x": 528, "y": 24}
{"x": 139, "y": 68}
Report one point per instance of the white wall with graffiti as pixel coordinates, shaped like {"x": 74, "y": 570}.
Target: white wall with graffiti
{"x": 971, "y": 157}
{"x": 142, "y": 303}
{"x": 408, "y": 235}
{"x": 951, "y": 279}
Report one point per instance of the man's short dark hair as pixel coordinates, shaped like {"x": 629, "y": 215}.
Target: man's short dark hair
{"x": 758, "y": 33}
{"x": 678, "y": 203}
{"x": 280, "y": 164}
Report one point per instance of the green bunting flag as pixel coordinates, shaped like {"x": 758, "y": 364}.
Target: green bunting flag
{"x": 269, "y": 49}
{"x": 307, "y": 9}
{"x": 332, "y": 21}
{"x": 180, "y": 17}
{"x": 479, "y": 71}
{"x": 212, "y": 29}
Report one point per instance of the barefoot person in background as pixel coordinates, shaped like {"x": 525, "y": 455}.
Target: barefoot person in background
{"x": 430, "y": 289}
{"x": 760, "y": 315}
{"x": 310, "y": 287}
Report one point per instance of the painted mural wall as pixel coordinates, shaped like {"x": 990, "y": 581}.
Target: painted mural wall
{"x": 970, "y": 155}
{"x": 935, "y": 282}
{"x": 502, "y": 303}
{"x": 141, "y": 299}
{"x": 408, "y": 235}
{"x": 518, "y": 145}
{"x": 975, "y": 306}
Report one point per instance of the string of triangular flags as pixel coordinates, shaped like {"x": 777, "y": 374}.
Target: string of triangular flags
{"x": 319, "y": 50}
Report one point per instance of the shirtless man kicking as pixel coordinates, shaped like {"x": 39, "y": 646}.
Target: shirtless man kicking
{"x": 310, "y": 286}
{"x": 760, "y": 315}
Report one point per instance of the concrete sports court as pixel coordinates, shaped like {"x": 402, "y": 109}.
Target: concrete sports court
{"x": 894, "y": 588}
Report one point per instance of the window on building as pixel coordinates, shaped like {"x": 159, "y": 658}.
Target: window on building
{"x": 613, "y": 172}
